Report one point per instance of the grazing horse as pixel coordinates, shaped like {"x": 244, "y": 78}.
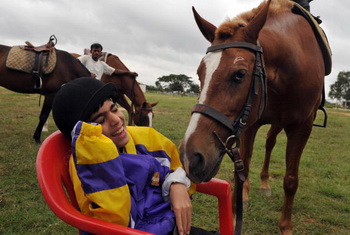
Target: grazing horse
{"x": 264, "y": 66}
{"x": 66, "y": 69}
{"x": 140, "y": 111}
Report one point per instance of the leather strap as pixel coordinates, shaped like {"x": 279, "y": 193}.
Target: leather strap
{"x": 245, "y": 45}
{"x": 214, "y": 114}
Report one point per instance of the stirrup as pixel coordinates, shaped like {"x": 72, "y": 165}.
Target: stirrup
{"x": 325, "y": 118}
{"x": 38, "y": 84}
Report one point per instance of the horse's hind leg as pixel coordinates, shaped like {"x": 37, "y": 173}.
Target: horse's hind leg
{"x": 297, "y": 136}
{"x": 44, "y": 114}
{"x": 270, "y": 144}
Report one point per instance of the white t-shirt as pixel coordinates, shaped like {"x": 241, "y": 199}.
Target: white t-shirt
{"x": 97, "y": 67}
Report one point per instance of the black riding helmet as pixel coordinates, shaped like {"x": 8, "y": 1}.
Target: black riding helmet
{"x": 77, "y": 100}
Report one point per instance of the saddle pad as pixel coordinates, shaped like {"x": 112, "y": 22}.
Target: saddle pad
{"x": 23, "y": 60}
{"x": 320, "y": 36}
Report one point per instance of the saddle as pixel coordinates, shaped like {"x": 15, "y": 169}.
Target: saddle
{"x": 43, "y": 48}
{"x": 35, "y": 60}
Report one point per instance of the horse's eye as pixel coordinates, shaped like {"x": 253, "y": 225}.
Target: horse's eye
{"x": 239, "y": 75}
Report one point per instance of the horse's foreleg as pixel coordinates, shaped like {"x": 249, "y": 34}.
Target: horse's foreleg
{"x": 297, "y": 136}
{"x": 270, "y": 144}
{"x": 44, "y": 114}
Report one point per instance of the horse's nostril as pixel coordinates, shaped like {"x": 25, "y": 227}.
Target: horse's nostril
{"x": 197, "y": 162}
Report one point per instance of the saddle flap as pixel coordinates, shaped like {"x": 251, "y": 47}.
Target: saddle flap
{"x": 319, "y": 34}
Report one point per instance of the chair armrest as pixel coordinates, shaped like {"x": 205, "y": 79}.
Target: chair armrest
{"x": 222, "y": 190}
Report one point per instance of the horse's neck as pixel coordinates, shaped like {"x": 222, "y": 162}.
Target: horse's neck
{"x": 137, "y": 94}
{"x": 70, "y": 65}
{"x": 131, "y": 88}
{"x": 115, "y": 62}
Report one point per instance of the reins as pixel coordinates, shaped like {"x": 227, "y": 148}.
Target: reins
{"x": 232, "y": 143}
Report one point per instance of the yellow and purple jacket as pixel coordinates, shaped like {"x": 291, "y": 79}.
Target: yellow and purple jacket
{"x": 132, "y": 188}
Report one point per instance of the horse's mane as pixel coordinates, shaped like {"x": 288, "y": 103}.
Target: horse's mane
{"x": 230, "y": 25}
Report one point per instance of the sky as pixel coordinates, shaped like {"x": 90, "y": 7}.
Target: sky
{"x": 152, "y": 37}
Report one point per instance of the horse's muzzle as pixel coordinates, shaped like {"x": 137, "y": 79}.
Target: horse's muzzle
{"x": 198, "y": 166}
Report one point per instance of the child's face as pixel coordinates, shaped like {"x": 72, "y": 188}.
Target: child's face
{"x": 113, "y": 123}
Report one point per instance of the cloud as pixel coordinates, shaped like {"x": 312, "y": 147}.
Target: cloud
{"x": 153, "y": 38}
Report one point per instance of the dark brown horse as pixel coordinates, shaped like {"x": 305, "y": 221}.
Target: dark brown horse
{"x": 67, "y": 68}
{"x": 237, "y": 98}
{"x": 140, "y": 111}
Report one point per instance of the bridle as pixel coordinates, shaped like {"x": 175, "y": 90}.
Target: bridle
{"x": 232, "y": 143}
{"x": 142, "y": 109}
{"x": 259, "y": 75}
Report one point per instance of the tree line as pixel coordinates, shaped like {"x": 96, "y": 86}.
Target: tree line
{"x": 174, "y": 83}
{"x": 340, "y": 90}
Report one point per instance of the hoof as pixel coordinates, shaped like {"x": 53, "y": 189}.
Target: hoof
{"x": 266, "y": 191}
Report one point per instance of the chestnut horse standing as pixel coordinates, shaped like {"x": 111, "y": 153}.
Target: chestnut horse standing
{"x": 239, "y": 95}
{"x": 140, "y": 111}
{"x": 67, "y": 68}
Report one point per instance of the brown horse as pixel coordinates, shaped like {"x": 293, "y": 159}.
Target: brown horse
{"x": 67, "y": 68}
{"x": 140, "y": 111}
{"x": 239, "y": 95}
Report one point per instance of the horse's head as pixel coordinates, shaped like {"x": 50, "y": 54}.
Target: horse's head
{"x": 228, "y": 93}
{"x": 144, "y": 114}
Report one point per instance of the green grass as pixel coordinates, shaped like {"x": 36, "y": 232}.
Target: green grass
{"x": 322, "y": 203}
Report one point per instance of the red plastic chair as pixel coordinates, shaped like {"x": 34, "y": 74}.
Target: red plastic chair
{"x": 54, "y": 180}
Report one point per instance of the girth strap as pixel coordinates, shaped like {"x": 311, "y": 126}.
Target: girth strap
{"x": 37, "y": 70}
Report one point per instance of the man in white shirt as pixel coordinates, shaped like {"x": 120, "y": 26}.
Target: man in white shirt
{"x": 97, "y": 67}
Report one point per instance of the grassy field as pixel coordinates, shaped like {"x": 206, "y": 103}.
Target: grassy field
{"x": 322, "y": 204}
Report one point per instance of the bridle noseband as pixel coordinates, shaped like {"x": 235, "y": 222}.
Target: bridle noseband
{"x": 232, "y": 143}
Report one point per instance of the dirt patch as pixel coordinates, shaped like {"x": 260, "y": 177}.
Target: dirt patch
{"x": 340, "y": 113}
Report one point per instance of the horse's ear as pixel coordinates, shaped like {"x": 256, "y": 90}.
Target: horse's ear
{"x": 254, "y": 27}
{"x": 154, "y": 104}
{"x": 207, "y": 29}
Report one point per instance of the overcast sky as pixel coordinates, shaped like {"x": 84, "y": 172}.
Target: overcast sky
{"x": 152, "y": 37}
